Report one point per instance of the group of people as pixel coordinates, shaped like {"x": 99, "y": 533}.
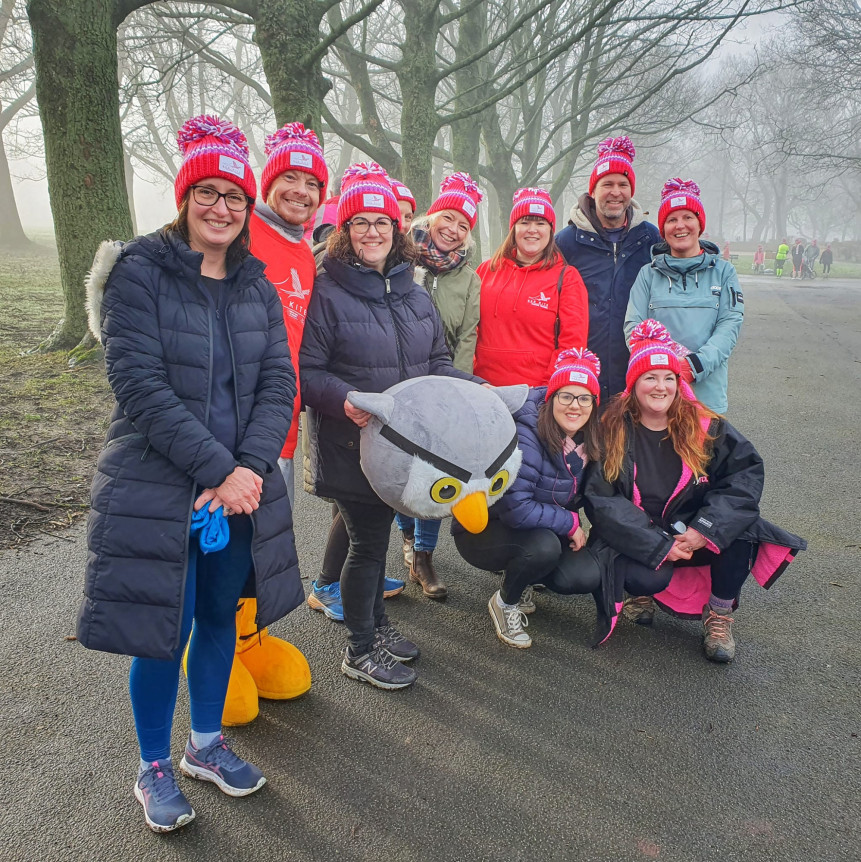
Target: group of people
{"x": 802, "y": 259}
{"x": 221, "y": 327}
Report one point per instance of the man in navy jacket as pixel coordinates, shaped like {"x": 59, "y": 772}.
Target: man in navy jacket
{"x": 608, "y": 240}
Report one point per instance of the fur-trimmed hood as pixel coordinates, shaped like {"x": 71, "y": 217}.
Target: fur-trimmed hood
{"x": 107, "y": 254}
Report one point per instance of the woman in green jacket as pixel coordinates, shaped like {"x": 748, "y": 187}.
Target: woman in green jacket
{"x": 444, "y": 239}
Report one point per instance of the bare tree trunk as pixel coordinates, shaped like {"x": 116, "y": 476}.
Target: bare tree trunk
{"x": 75, "y": 48}
{"x": 11, "y": 232}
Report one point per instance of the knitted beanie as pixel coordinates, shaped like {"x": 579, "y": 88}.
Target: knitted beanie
{"x": 577, "y": 367}
{"x": 615, "y": 156}
{"x": 294, "y": 148}
{"x": 532, "y": 202}
{"x": 458, "y": 192}
{"x": 366, "y": 188}
{"x": 652, "y": 349}
{"x": 212, "y": 147}
{"x": 402, "y": 193}
{"x": 680, "y": 194}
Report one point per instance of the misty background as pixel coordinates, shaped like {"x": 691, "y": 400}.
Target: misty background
{"x": 757, "y": 102}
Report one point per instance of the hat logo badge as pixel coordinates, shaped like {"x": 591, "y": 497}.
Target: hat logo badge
{"x": 228, "y": 165}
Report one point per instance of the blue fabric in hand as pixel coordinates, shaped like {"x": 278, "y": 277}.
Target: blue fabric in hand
{"x": 211, "y": 529}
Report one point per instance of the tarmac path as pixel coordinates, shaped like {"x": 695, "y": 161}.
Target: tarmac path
{"x": 639, "y": 750}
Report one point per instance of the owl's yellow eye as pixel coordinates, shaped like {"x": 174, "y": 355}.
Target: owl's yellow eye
{"x": 445, "y": 490}
{"x": 500, "y": 480}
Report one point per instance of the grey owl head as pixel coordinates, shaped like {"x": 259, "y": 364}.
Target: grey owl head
{"x": 437, "y": 446}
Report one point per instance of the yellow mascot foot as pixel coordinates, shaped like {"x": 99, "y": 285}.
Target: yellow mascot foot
{"x": 278, "y": 668}
{"x": 240, "y": 705}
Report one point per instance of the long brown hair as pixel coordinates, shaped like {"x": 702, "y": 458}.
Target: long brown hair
{"x": 508, "y": 250}
{"x": 237, "y": 251}
{"x": 684, "y": 430}
{"x": 340, "y": 247}
{"x": 552, "y": 436}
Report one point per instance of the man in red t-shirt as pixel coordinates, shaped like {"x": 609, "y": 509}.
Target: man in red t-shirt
{"x": 294, "y": 183}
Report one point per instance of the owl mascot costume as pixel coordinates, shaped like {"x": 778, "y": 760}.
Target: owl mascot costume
{"x": 439, "y": 446}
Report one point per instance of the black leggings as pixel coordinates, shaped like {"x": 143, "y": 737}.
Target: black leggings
{"x": 729, "y": 571}
{"x": 529, "y": 557}
{"x": 335, "y": 555}
{"x": 368, "y": 526}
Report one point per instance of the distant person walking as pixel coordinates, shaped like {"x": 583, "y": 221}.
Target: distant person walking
{"x": 827, "y": 259}
{"x": 797, "y": 258}
{"x": 609, "y": 240}
{"x": 780, "y": 258}
{"x": 759, "y": 259}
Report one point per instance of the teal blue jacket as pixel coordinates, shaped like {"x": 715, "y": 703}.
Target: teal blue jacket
{"x": 700, "y": 302}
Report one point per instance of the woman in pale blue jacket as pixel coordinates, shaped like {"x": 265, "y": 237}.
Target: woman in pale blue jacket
{"x": 691, "y": 290}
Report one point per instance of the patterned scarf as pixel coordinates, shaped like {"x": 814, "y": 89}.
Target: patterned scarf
{"x": 435, "y": 260}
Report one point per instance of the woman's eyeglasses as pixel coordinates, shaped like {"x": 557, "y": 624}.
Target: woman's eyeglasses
{"x": 361, "y": 226}
{"x": 566, "y": 399}
{"x": 206, "y": 197}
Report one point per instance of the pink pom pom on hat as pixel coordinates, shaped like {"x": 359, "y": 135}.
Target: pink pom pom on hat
{"x": 459, "y": 191}
{"x": 576, "y": 367}
{"x": 532, "y": 202}
{"x": 678, "y": 194}
{"x": 615, "y": 156}
{"x": 402, "y": 192}
{"x": 294, "y": 148}
{"x": 366, "y": 188}
{"x": 212, "y": 147}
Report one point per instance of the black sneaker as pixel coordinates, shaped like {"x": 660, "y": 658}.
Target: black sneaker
{"x": 391, "y": 640}
{"x": 378, "y": 667}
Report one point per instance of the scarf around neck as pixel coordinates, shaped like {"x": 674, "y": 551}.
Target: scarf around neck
{"x": 435, "y": 260}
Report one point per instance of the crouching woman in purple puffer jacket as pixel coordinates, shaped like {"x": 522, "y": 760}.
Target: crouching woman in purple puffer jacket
{"x": 534, "y": 533}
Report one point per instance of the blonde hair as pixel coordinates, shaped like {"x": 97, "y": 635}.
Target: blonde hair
{"x": 426, "y": 222}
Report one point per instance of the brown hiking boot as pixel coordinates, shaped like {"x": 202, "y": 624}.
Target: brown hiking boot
{"x": 718, "y": 642}
{"x": 422, "y": 572}
{"x": 640, "y": 610}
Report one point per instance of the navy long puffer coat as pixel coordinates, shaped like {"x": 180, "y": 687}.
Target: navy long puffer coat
{"x": 157, "y": 323}
{"x": 364, "y": 332}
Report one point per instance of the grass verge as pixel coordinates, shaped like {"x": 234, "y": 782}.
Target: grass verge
{"x": 53, "y": 418}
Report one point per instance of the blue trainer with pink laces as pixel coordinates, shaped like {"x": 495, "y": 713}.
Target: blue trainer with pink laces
{"x": 164, "y": 805}
{"x": 218, "y": 763}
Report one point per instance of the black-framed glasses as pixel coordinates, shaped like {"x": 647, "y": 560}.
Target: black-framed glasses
{"x": 566, "y": 399}
{"x": 361, "y": 226}
{"x": 207, "y": 197}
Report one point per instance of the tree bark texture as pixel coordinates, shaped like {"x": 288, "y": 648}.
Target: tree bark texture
{"x": 75, "y": 49}
{"x": 286, "y": 31}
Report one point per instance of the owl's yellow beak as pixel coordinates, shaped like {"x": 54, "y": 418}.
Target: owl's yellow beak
{"x": 471, "y": 512}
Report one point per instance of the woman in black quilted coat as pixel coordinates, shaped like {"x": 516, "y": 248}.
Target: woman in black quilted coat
{"x": 197, "y": 359}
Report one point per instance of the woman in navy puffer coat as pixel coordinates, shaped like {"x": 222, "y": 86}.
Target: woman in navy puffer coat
{"x": 197, "y": 358}
{"x": 369, "y": 326}
{"x": 534, "y": 531}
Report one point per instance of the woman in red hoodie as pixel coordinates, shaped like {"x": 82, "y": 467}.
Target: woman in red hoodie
{"x": 531, "y": 300}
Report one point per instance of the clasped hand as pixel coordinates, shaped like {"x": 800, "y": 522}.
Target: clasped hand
{"x": 685, "y": 544}
{"x": 239, "y": 493}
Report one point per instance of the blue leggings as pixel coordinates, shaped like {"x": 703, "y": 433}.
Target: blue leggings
{"x": 426, "y": 532}
{"x": 213, "y": 586}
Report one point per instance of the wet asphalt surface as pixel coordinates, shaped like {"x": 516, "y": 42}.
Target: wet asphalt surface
{"x": 639, "y": 750}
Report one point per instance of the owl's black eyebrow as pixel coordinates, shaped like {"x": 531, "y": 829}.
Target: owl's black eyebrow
{"x": 412, "y": 448}
{"x": 504, "y": 456}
